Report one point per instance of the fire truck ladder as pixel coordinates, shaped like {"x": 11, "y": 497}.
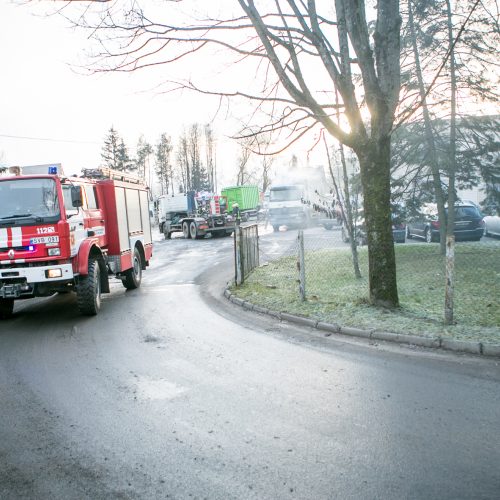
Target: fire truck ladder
{"x": 108, "y": 173}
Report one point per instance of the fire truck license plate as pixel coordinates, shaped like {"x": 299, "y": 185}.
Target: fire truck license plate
{"x": 44, "y": 239}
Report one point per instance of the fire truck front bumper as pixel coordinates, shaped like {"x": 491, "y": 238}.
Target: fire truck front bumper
{"x": 22, "y": 281}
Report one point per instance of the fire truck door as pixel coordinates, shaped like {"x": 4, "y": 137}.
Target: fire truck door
{"x": 94, "y": 216}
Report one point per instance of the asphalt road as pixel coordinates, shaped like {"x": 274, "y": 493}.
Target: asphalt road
{"x": 173, "y": 392}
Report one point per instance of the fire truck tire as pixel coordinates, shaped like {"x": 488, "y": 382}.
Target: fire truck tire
{"x": 6, "y": 308}
{"x": 88, "y": 294}
{"x": 185, "y": 230}
{"x": 133, "y": 276}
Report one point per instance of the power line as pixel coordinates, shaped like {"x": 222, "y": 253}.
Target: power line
{"x": 47, "y": 139}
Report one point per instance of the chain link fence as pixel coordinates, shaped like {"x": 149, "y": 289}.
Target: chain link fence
{"x": 320, "y": 281}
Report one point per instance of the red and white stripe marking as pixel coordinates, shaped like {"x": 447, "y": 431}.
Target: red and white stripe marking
{"x": 4, "y": 238}
{"x": 11, "y": 237}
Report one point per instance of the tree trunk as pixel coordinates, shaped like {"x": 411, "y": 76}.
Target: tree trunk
{"x": 452, "y": 166}
{"x": 429, "y": 135}
{"x": 374, "y": 158}
{"x": 347, "y": 213}
{"x": 452, "y": 161}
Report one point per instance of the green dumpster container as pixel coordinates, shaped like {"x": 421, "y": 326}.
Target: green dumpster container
{"x": 247, "y": 197}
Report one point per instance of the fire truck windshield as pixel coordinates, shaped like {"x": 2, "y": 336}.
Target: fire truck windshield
{"x": 22, "y": 200}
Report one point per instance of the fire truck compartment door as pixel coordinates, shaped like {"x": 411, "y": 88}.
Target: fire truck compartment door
{"x": 121, "y": 207}
{"x": 146, "y": 223}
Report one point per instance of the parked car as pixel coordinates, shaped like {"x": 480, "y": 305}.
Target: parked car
{"x": 398, "y": 230}
{"x": 359, "y": 233}
{"x": 468, "y": 223}
{"x": 492, "y": 225}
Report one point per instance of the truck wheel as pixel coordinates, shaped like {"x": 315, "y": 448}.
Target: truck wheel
{"x": 133, "y": 276}
{"x": 185, "y": 230}
{"x": 88, "y": 293}
{"x": 6, "y": 308}
{"x": 193, "y": 232}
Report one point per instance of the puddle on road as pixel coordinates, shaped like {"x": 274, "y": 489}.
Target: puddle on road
{"x": 157, "y": 389}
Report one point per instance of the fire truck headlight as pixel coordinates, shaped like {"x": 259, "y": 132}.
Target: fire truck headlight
{"x": 53, "y": 273}
{"x": 54, "y": 251}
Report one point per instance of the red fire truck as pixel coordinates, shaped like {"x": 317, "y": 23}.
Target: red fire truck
{"x": 61, "y": 234}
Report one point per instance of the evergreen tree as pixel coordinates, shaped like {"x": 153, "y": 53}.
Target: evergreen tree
{"x": 109, "y": 153}
{"x": 193, "y": 174}
{"x": 163, "y": 164}
{"x": 144, "y": 150}
{"x": 199, "y": 176}
{"x": 477, "y": 160}
{"x": 123, "y": 161}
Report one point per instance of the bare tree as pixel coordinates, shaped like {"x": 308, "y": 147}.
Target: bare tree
{"x": 344, "y": 199}
{"x": 183, "y": 166}
{"x": 193, "y": 175}
{"x": 264, "y": 144}
{"x": 243, "y": 174}
{"x": 299, "y": 49}
{"x": 210, "y": 156}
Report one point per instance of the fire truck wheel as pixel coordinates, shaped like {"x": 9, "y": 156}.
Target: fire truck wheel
{"x": 185, "y": 230}
{"x": 133, "y": 276}
{"x": 193, "y": 232}
{"x": 6, "y": 308}
{"x": 88, "y": 294}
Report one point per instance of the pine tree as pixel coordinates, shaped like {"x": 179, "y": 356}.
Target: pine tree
{"x": 144, "y": 150}
{"x": 163, "y": 164}
{"x": 123, "y": 161}
{"x": 109, "y": 153}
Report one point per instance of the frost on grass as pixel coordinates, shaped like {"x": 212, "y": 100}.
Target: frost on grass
{"x": 334, "y": 295}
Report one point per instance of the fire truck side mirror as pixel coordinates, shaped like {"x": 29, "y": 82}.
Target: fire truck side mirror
{"x": 76, "y": 196}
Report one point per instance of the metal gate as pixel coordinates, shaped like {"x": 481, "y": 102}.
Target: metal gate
{"x": 246, "y": 251}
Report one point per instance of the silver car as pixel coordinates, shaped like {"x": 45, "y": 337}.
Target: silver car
{"x": 492, "y": 225}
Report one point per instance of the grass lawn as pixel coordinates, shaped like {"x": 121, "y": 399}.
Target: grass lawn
{"x": 334, "y": 295}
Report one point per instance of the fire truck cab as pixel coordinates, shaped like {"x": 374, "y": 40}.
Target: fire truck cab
{"x": 69, "y": 234}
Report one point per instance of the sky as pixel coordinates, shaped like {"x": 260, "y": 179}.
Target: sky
{"x": 52, "y": 111}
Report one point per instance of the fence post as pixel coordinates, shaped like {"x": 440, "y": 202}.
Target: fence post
{"x": 243, "y": 253}
{"x": 301, "y": 264}
{"x": 450, "y": 280}
{"x": 238, "y": 272}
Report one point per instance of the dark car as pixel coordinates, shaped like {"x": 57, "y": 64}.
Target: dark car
{"x": 398, "y": 229}
{"x": 468, "y": 224}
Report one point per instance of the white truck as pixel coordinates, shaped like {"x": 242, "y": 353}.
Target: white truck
{"x": 288, "y": 207}
{"x": 295, "y": 207}
{"x": 193, "y": 214}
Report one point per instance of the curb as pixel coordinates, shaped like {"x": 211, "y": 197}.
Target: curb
{"x": 458, "y": 346}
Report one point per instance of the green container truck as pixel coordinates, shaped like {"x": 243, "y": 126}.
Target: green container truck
{"x": 247, "y": 197}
